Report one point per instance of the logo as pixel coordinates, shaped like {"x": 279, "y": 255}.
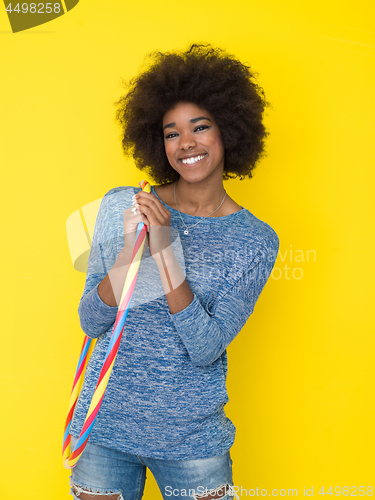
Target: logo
{"x": 25, "y": 15}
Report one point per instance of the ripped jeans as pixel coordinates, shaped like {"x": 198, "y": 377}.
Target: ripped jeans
{"x": 105, "y": 471}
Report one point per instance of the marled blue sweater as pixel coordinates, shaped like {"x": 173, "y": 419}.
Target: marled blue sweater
{"x": 167, "y": 391}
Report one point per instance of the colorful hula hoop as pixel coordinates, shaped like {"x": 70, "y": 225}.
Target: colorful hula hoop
{"x": 70, "y": 459}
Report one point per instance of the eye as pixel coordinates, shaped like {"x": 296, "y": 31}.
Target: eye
{"x": 201, "y": 126}
{"x": 197, "y": 129}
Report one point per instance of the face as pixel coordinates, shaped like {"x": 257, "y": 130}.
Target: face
{"x": 193, "y": 143}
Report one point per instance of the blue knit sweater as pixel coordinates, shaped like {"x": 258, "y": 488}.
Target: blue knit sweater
{"x": 167, "y": 391}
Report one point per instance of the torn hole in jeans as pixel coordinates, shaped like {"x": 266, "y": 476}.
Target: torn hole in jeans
{"x": 93, "y": 492}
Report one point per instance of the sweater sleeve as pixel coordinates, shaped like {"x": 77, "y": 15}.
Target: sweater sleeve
{"x": 205, "y": 334}
{"x": 95, "y": 316}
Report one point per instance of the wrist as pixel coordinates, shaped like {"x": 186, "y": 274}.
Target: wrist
{"x": 165, "y": 257}
{"x": 124, "y": 256}
{"x": 170, "y": 271}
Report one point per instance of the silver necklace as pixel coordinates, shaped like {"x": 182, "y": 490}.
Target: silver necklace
{"x": 187, "y": 228}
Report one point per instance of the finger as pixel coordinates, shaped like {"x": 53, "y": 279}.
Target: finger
{"x": 138, "y": 216}
{"x": 154, "y": 203}
{"x": 153, "y": 214}
{"x": 144, "y": 218}
{"x": 137, "y": 213}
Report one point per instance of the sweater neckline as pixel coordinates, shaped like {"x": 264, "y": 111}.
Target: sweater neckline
{"x": 195, "y": 216}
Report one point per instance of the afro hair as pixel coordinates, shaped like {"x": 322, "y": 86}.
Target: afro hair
{"x": 214, "y": 81}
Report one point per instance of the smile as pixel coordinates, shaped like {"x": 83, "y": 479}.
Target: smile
{"x": 193, "y": 160}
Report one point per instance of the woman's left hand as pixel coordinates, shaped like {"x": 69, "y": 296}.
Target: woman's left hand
{"x": 158, "y": 221}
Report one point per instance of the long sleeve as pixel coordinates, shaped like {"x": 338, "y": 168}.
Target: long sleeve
{"x": 96, "y": 316}
{"x": 207, "y": 334}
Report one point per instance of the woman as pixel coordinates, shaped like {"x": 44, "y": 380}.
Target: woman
{"x": 191, "y": 121}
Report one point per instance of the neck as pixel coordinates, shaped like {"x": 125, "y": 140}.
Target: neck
{"x": 197, "y": 199}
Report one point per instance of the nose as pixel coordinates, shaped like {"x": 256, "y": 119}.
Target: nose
{"x": 187, "y": 142}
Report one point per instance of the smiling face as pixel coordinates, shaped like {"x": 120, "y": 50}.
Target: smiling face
{"x": 193, "y": 143}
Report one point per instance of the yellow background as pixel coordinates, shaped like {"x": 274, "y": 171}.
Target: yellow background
{"x": 301, "y": 376}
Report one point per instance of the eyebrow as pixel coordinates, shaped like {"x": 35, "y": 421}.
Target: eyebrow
{"x": 193, "y": 120}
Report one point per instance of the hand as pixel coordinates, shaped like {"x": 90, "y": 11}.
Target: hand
{"x": 131, "y": 222}
{"x": 158, "y": 221}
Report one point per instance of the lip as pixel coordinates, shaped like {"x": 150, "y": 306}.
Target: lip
{"x": 186, "y": 157}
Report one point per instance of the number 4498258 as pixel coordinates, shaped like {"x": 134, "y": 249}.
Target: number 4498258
{"x": 34, "y": 8}
{"x": 352, "y": 491}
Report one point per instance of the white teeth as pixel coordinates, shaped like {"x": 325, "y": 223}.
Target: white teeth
{"x": 194, "y": 159}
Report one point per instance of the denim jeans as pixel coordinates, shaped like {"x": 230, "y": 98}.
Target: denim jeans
{"x": 105, "y": 471}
